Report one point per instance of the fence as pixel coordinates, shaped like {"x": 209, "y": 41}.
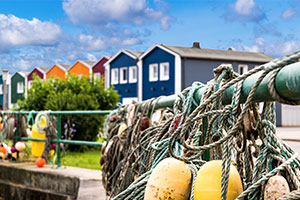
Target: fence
{"x": 58, "y": 115}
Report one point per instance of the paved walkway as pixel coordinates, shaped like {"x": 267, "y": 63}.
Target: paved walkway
{"x": 289, "y": 133}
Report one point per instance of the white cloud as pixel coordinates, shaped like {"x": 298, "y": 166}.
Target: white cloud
{"x": 278, "y": 48}
{"x": 16, "y": 31}
{"x": 289, "y": 13}
{"x": 94, "y": 43}
{"x": 91, "y": 57}
{"x": 103, "y": 12}
{"x": 244, "y": 7}
{"x": 245, "y": 10}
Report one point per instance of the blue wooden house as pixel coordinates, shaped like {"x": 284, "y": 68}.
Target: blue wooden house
{"x": 121, "y": 71}
{"x": 167, "y": 70}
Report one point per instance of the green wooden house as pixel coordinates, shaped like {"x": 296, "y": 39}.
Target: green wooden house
{"x": 18, "y": 86}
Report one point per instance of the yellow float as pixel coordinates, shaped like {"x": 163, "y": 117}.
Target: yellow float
{"x": 170, "y": 179}
{"x": 122, "y": 129}
{"x": 37, "y": 148}
{"x": 208, "y": 182}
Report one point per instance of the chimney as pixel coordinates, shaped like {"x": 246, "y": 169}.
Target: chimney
{"x": 196, "y": 45}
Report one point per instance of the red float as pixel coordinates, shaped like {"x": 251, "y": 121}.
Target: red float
{"x": 40, "y": 162}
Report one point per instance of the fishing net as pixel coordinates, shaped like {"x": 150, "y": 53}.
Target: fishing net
{"x": 198, "y": 129}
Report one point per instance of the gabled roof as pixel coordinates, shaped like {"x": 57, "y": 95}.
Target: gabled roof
{"x": 24, "y": 74}
{"x": 107, "y": 57}
{"x": 63, "y": 66}
{"x": 134, "y": 53}
{"x": 217, "y": 54}
{"x": 89, "y": 64}
{"x": 131, "y": 53}
{"x": 44, "y": 70}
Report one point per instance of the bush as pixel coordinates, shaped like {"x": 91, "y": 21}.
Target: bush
{"x": 75, "y": 93}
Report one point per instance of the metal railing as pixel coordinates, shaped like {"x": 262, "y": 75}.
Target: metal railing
{"x": 58, "y": 141}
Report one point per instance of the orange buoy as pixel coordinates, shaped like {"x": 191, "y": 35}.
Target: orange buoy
{"x": 170, "y": 179}
{"x": 40, "y": 162}
{"x": 3, "y": 150}
{"x": 20, "y": 146}
{"x": 208, "y": 182}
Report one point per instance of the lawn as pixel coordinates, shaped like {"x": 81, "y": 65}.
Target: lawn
{"x": 88, "y": 159}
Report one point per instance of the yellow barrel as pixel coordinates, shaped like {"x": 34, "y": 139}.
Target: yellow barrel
{"x": 208, "y": 182}
{"x": 37, "y": 148}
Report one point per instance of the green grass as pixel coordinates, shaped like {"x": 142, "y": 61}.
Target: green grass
{"x": 88, "y": 159}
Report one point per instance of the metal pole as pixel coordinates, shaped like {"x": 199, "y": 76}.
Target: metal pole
{"x": 58, "y": 140}
{"x": 287, "y": 84}
{"x": 4, "y": 95}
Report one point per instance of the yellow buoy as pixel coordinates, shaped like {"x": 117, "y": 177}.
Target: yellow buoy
{"x": 170, "y": 179}
{"x": 37, "y": 148}
{"x": 122, "y": 128}
{"x": 208, "y": 182}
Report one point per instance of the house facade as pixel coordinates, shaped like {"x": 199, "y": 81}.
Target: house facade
{"x": 98, "y": 68}
{"x": 167, "y": 70}
{"x": 58, "y": 71}
{"x": 122, "y": 73}
{"x": 82, "y": 68}
{"x": 39, "y": 71}
{"x": 8, "y": 97}
{"x": 18, "y": 86}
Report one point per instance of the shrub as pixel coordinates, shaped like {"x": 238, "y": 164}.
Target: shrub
{"x": 75, "y": 93}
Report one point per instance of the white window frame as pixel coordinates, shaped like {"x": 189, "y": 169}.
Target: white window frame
{"x": 20, "y": 87}
{"x": 132, "y": 79}
{"x": 29, "y": 84}
{"x": 162, "y": 76}
{"x": 244, "y": 67}
{"x": 97, "y": 75}
{"x": 114, "y": 76}
{"x": 123, "y": 81}
{"x": 152, "y": 77}
{"x": 1, "y": 88}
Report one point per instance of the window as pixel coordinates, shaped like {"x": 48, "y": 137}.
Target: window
{"x": 164, "y": 71}
{"x": 20, "y": 87}
{"x": 1, "y": 88}
{"x": 97, "y": 76}
{"x": 153, "y": 72}
{"x": 132, "y": 74}
{"x": 123, "y": 75}
{"x": 29, "y": 84}
{"x": 243, "y": 69}
{"x": 114, "y": 76}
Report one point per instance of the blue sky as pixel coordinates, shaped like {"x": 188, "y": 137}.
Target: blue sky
{"x": 44, "y": 32}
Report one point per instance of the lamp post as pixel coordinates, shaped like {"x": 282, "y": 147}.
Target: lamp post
{"x": 4, "y": 78}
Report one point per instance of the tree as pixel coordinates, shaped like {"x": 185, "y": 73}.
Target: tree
{"x": 75, "y": 93}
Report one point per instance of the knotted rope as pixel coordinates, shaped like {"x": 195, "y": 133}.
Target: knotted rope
{"x": 196, "y": 132}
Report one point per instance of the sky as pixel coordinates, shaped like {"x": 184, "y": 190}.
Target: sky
{"x": 41, "y": 33}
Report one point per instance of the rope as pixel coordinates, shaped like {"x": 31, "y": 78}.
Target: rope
{"x": 196, "y": 132}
